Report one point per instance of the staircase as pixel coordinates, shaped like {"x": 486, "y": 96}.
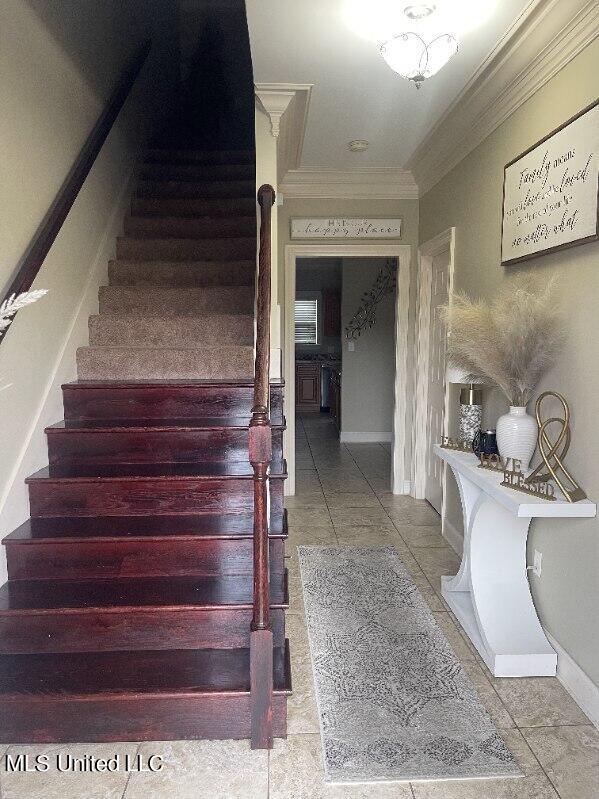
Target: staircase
{"x": 128, "y": 607}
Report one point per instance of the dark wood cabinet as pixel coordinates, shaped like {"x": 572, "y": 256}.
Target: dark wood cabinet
{"x": 331, "y": 319}
{"x": 307, "y": 385}
{"x": 335, "y": 396}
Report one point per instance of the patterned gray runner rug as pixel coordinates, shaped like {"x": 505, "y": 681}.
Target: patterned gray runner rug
{"x": 394, "y": 701}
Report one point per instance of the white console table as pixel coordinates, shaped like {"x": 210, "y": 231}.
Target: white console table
{"x": 490, "y": 594}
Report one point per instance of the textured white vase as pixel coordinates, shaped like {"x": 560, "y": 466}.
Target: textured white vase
{"x": 517, "y": 435}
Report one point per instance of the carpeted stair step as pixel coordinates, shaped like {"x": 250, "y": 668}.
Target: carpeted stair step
{"x": 181, "y": 206}
{"x": 142, "y": 301}
{"x": 149, "y": 695}
{"x": 197, "y": 172}
{"x": 199, "y": 189}
{"x": 181, "y": 273}
{"x": 179, "y": 332}
{"x": 164, "y": 363}
{"x": 162, "y": 613}
{"x": 175, "y": 249}
{"x": 174, "y": 156}
{"x": 180, "y": 227}
{"x": 184, "y": 399}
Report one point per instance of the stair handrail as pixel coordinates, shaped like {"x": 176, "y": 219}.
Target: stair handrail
{"x": 54, "y": 219}
{"x": 260, "y": 455}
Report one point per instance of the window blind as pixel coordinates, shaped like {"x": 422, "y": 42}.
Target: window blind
{"x": 306, "y": 321}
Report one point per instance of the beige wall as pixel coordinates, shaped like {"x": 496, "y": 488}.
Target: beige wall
{"x": 368, "y": 378}
{"x": 58, "y": 64}
{"x": 470, "y": 197}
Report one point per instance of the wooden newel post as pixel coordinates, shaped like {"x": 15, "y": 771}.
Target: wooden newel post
{"x": 260, "y": 455}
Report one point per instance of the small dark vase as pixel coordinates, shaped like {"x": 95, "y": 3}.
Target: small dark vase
{"x": 485, "y": 443}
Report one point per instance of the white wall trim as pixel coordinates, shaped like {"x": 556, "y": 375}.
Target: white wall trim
{"x": 365, "y": 438}
{"x": 291, "y": 122}
{"x": 542, "y": 41}
{"x": 402, "y": 252}
{"x": 576, "y": 682}
{"x": 357, "y": 184}
{"x": 443, "y": 242}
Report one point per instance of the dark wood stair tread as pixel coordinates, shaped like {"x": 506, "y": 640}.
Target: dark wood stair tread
{"x": 74, "y": 528}
{"x": 119, "y": 594}
{"x": 164, "y": 672}
{"x": 101, "y": 472}
{"x": 156, "y": 425}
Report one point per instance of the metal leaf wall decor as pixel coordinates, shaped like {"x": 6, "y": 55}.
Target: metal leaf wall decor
{"x": 365, "y": 316}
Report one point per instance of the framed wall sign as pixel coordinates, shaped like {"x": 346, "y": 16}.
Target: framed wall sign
{"x": 550, "y": 192}
{"x": 346, "y": 228}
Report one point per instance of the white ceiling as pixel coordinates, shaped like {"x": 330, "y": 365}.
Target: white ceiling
{"x": 356, "y": 95}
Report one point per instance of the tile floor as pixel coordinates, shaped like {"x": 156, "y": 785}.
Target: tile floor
{"x": 343, "y": 497}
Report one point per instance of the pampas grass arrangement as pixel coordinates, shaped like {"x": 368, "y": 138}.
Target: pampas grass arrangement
{"x": 511, "y": 341}
{"x": 15, "y": 302}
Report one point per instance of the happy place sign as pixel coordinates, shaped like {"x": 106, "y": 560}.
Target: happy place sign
{"x": 550, "y": 192}
{"x": 345, "y": 228}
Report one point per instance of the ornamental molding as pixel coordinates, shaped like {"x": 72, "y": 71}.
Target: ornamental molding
{"x": 358, "y": 184}
{"x": 541, "y": 42}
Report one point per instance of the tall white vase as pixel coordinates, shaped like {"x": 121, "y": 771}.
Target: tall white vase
{"x": 517, "y": 435}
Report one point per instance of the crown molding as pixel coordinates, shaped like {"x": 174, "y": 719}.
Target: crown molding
{"x": 289, "y": 124}
{"x": 356, "y": 184}
{"x": 546, "y": 37}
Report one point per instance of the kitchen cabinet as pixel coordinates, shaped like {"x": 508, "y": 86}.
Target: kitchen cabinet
{"x": 307, "y": 385}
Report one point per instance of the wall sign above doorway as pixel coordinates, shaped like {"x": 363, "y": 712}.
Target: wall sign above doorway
{"x": 346, "y": 228}
{"x": 550, "y": 192}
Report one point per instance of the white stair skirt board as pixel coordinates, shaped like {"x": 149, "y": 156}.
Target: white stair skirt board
{"x": 365, "y": 438}
{"x": 490, "y": 594}
{"x": 576, "y": 682}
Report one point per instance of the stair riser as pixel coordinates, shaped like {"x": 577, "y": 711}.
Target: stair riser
{"x": 165, "y": 156}
{"x": 132, "y": 629}
{"x": 197, "y": 172}
{"x": 177, "y": 206}
{"x": 174, "y": 227}
{"x": 40, "y": 719}
{"x": 166, "y": 249}
{"x": 115, "y": 300}
{"x": 78, "y": 447}
{"x": 181, "y": 273}
{"x": 189, "y": 189}
{"x": 175, "y": 332}
{"x": 141, "y": 496}
{"x": 163, "y": 402}
{"x": 52, "y": 560}
{"x": 112, "y": 363}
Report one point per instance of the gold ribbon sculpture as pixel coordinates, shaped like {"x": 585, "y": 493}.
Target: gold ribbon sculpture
{"x": 553, "y": 459}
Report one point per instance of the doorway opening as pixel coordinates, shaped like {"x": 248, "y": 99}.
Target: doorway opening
{"x": 350, "y": 390}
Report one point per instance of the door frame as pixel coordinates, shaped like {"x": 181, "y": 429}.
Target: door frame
{"x": 443, "y": 242}
{"x": 403, "y": 252}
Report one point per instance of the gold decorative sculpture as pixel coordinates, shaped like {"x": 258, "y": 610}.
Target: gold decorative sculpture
{"x": 553, "y": 459}
{"x": 458, "y": 446}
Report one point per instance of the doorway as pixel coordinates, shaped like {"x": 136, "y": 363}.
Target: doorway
{"x": 435, "y": 273}
{"x": 295, "y": 253}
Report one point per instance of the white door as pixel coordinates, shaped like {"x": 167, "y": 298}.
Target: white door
{"x": 436, "y": 379}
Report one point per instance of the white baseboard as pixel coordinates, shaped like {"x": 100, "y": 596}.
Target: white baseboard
{"x": 365, "y": 438}
{"x": 453, "y": 537}
{"x": 576, "y": 682}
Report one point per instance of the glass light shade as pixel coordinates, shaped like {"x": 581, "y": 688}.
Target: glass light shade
{"x": 411, "y": 57}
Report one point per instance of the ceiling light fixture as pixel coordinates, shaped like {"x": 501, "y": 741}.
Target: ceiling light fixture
{"x": 358, "y": 145}
{"x": 415, "y": 59}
